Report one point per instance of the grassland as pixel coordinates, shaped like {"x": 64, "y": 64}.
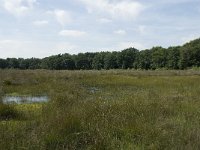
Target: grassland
{"x": 117, "y": 109}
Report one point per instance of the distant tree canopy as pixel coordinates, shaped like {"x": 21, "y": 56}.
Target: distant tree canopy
{"x": 179, "y": 57}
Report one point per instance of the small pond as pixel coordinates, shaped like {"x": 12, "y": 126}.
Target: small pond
{"x": 93, "y": 90}
{"x": 24, "y": 99}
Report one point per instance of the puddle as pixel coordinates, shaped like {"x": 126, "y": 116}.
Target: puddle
{"x": 24, "y": 99}
{"x": 93, "y": 90}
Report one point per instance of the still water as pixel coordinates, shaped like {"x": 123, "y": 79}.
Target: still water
{"x": 24, "y": 99}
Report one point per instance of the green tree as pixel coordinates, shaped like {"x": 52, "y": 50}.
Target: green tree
{"x": 82, "y": 62}
{"x": 192, "y": 50}
{"x": 126, "y": 58}
{"x": 110, "y": 61}
{"x": 3, "y": 63}
{"x": 68, "y": 64}
{"x": 143, "y": 60}
{"x": 98, "y": 61}
{"x": 13, "y": 63}
{"x": 173, "y": 57}
{"x": 159, "y": 57}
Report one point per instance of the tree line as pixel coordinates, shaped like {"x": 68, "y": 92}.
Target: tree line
{"x": 178, "y": 57}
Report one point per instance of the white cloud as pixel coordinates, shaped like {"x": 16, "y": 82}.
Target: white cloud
{"x": 66, "y": 47}
{"x": 40, "y": 23}
{"x": 104, "y": 20}
{"x": 40, "y": 49}
{"x": 189, "y": 38}
{"x": 120, "y": 32}
{"x": 125, "y": 9}
{"x": 124, "y": 45}
{"x": 63, "y": 17}
{"x": 18, "y": 7}
{"x": 173, "y": 1}
{"x": 13, "y": 48}
{"x": 72, "y": 33}
{"x": 4, "y": 43}
{"x": 142, "y": 29}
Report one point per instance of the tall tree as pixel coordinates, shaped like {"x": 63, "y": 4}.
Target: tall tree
{"x": 110, "y": 61}
{"x": 159, "y": 57}
{"x": 126, "y": 58}
{"x": 173, "y": 57}
{"x": 98, "y": 61}
{"x": 82, "y": 62}
{"x": 3, "y": 63}
{"x": 143, "y": 60}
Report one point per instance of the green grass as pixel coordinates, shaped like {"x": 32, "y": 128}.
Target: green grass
{"x": 116, "y": 109}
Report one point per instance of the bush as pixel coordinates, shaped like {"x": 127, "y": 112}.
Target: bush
{"x": 8, "y": 112}
{"x": 195, "y": 68}
{"x": 7, "y": 82}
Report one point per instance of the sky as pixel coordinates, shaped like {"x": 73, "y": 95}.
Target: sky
{"x": 40, "y": 28}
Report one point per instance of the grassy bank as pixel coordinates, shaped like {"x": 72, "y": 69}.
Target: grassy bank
{"x": 117, "y": 109}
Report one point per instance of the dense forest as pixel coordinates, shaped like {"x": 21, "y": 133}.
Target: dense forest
{"x": 179, "y": 57}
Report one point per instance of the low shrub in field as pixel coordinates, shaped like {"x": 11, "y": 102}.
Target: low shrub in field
{"x": 8, "y": 112}
{"x": 7, "y": 82}
{"x": 11, "y": 82}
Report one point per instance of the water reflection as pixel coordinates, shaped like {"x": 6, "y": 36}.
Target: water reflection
{"x": 24, "y": 99}
{"x": 93, "y": 90}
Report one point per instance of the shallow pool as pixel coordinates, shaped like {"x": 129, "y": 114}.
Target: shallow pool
{"x": 24, "y": 99}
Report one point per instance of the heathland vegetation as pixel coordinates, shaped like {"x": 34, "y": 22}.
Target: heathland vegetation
{"x": 153, "y": 104}
{"x": 115, "y": 109}
{"x": 178, "y": 57}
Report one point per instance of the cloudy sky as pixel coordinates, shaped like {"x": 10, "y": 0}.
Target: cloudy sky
{"x": 39, "y": 28}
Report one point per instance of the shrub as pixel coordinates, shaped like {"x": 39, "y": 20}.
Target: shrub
{"x": 7, "y": 82}
{"x": 8, "y": 112}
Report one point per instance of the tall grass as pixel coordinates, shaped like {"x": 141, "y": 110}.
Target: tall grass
{"x": 127, "y": 110}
